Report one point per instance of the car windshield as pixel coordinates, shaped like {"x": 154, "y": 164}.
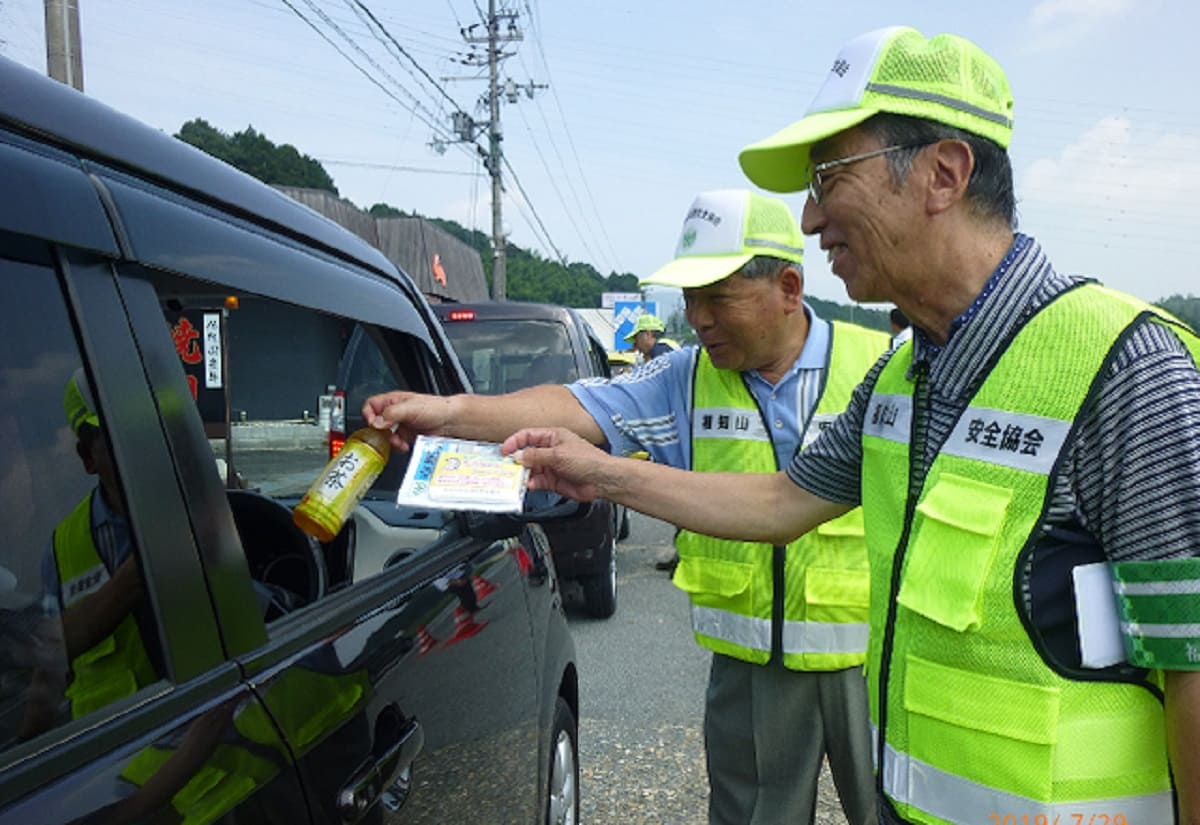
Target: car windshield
{"x": 505, "y": 355}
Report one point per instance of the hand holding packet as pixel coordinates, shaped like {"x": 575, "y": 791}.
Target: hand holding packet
{"x": 466, "y": 475}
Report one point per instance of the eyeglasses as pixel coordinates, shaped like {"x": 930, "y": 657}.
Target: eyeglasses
{"x": 817, "y": 184}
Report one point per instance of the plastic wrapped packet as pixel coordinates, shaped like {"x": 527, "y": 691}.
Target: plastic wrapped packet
{"x": 464, "y": 475}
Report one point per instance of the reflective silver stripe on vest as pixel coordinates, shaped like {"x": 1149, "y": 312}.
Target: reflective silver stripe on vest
{"x": 824, "y": 637}
{"x": 1017, "y": 440}
{"x": 889, "y": 417}
{"x": 949, "y": 102}
{"x": 963, "y": 802}
{"x": 816, "y": 425}
{"x": 86, "y": 583}
{"x": 798, "y": 637}
{"x": 728, "y": 422}
{"x": 744, "y": 631}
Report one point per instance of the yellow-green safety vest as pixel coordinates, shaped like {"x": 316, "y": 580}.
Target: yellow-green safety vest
{"x": 116, "y": 666}
{"x": 971, "y": 724}
{"x": 732, "y": 584}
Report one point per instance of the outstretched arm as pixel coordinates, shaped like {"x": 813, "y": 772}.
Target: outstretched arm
{"x": 480, "y": 417}
{"x": 746, "y": 506}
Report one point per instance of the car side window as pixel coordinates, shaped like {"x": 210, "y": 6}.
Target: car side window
{"x": 78, "y": 632}
{"x": 599, "y": 359}
{"x": 279, "y": 387}
{"x": 503, "y": 355}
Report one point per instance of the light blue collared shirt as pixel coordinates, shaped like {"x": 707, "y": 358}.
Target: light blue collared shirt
{"x": 650, "y": 408}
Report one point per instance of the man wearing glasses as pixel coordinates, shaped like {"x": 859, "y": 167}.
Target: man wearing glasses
{"x": 1032, "y": 451}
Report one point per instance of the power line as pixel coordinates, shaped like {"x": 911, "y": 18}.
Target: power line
{"x": 554, "y": 184}
{"x": 394, "y": 167}
{"x": 613, "y": 257}
{"x": 561, "y": 258}
{"x": 413, "y": 109}
{"x": 404, "y": 52}
{"x": 329, "y": 21}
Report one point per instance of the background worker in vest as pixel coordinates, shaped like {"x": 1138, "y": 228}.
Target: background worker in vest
{"x": 92, "y": 584}
{"x": 1038, "y": 431}
{"x": 786, "y": 687}
{"x": 646, "y": 337}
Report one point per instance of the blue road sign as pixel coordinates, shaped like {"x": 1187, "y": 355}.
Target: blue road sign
{"x": 625, "y": 315}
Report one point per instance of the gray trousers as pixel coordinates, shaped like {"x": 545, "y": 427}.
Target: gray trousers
{"x": 767, "y": 730}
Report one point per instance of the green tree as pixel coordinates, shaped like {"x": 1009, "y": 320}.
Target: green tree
{"x": 256, "y": 155}
{"x": 385, "y": 210}
{"x": 1186, "y": 309}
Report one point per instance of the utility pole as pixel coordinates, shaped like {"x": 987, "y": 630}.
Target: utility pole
{"x": 499, "y": 241}
{"x": 468, "y": 129}
{"x": 64, "y": 52}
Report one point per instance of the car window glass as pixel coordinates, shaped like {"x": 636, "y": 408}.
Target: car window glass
{"x": 505, "y": 355}
{"x": 279, "y": 387}
{"x": 599, "y": 359}
{"x": 78, "y": 632}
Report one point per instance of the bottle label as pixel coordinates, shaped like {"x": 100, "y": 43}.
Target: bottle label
{"x": 355, "y": 467}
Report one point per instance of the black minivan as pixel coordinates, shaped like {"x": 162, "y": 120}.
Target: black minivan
{"x": 174, "y": 648}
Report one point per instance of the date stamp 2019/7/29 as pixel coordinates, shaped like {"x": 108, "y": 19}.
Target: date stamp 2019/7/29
{"x": 1058, "y": 819}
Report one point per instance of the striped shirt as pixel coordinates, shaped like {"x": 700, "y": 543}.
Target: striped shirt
{"x": 650, "y": 408}
{"x": 1131, "y": 474}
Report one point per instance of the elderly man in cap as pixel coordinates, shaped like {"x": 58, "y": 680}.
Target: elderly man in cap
{"x": 1032, "y": 451}
{"x": 646, "y": 337}
{"x": 786, "y": 623}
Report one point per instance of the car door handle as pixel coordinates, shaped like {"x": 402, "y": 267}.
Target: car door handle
{"x": 372, "y": 780}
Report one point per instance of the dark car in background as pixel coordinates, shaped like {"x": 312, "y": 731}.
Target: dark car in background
{"x": 174, "y": 648}
{"x": 511, "y": 345}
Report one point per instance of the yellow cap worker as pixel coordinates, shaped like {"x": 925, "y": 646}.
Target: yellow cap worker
{"x": 646, "y": 337}
{"x": 1037, "y": 433}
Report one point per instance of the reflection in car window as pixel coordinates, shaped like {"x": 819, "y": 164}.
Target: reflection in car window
{"x": 78, "y": 632}
{"x": 505, "y": 355}
{"x": 265, "y": 375}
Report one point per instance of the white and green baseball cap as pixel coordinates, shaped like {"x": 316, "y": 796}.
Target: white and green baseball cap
{"x": 945, "y": 78}
{"x": 723, "y": 230}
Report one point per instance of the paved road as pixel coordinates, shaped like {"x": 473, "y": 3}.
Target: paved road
{"x": 642, "y": 681}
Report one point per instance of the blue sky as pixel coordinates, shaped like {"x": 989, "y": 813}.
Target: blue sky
{"x": 649, "y": 103}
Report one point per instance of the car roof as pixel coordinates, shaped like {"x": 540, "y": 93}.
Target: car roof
{"x": 57, "y": 114}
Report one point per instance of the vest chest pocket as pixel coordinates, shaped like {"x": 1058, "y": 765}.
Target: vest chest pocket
{"x": 717, "y": 583}
{"x": 955, "y": 535}
{"x": 837, "y": 594}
